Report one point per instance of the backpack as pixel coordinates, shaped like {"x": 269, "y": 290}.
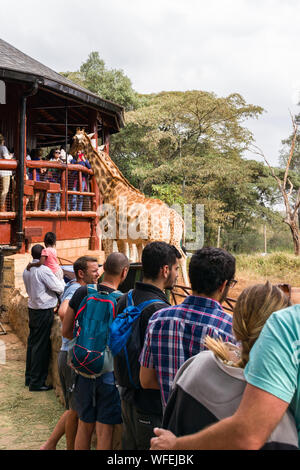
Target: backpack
{"x": 90, "y": 355}
{"x": 125, "y": 343}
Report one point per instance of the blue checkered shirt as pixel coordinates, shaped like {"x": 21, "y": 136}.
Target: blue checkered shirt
{"x": 176, "y": 333}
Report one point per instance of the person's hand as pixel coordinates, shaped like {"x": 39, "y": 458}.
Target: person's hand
{"x": 164, "y": 440}
{"x": 29, "y": 265}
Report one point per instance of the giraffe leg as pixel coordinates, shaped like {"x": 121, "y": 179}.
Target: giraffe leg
{"x": 140, "y": 247}
{"x": 183, "y": 268}
{"x": 107, "y": 245}
{"x": 123, "y": 247}
{"x": 131, "y": 252}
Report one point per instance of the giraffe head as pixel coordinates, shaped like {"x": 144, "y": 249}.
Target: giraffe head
{"x": 80, "y": 141}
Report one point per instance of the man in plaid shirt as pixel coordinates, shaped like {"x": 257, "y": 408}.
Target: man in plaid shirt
{"x": 176, "y": 333}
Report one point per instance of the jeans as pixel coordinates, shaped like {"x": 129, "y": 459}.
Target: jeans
{"x": 75, "y": 197}
{"x": 56, "y": 202}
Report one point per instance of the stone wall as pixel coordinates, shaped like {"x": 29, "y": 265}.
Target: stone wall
{"x": 13, "y": 268}
{"x": 73, "y": 249}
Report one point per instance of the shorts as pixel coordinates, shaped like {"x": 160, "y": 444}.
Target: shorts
{"x": 98, "y": 401}
{"x": 67, "y": 377}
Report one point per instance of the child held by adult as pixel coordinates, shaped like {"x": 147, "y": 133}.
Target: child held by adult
{"x": 49, "y": 256}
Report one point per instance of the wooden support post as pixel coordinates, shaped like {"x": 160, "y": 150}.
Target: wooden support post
{"x": 106, "y": 136}
{"x": 93, "y": 127}
{"x": 64, "y": 203}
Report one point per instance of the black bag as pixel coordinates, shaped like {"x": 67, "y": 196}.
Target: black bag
{"x": 126, "y": 358}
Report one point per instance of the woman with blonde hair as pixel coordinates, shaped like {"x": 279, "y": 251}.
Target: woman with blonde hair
{"x": 209, "y": 386}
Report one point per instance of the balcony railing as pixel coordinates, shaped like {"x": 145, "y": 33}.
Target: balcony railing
{"x": 51, "y": 189}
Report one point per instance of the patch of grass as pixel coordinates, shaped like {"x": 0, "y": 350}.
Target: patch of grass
{"x": 33, "y": 416}
{"x": 276, "y": 267}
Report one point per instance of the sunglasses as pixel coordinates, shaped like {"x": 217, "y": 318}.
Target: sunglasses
{"x": 231, "y": 283}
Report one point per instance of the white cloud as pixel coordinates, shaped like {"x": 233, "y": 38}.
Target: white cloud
{"x": 225, "y": 46}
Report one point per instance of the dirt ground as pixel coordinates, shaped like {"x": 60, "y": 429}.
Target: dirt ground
{"x": 27, "y": 418}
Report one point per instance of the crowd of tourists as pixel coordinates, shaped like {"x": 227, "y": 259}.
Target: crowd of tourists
{"x": 186, "y": 376}
{"x": 52, "y": 200}
{"x": 53, "y": 175}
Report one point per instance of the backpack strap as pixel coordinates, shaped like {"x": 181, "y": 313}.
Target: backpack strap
{"x": 129, "y": 299}
{"x": 143, "y": 305}
{"x": 91, "y": 288}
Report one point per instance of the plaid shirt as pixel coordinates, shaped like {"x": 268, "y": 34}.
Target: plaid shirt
{"x": 176, "y": 333}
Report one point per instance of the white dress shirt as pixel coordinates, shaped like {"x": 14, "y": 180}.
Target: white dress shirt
{"x": 42, "y": 286}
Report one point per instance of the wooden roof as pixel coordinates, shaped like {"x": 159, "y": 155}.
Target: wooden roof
{"x": 17, "y": 66}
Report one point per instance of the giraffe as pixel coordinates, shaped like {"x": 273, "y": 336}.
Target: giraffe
{"x": 139, "y": 220}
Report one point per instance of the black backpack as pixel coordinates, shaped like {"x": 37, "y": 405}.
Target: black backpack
{"x": 125, "y": 342}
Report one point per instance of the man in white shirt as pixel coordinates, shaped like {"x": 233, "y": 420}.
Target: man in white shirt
{"x": 42, "y": 287}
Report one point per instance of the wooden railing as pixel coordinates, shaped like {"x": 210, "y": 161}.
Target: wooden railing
{"x": 39, "y": 190}
{"x": 64, "y": 187}
{"x": 178, "y": 293}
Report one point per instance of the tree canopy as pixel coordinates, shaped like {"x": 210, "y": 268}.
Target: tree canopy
{"x": 110, "y": 84}
{"x": 188, "y": 148}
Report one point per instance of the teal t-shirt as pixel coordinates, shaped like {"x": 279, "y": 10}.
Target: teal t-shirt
{"x": 275, "y": 359}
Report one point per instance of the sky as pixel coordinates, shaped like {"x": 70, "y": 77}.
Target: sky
{"x": 222, "y": 46}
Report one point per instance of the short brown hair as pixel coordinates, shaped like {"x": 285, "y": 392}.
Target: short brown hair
{"x": 81, "y": 264}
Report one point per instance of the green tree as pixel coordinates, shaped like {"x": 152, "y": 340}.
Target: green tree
{"x": 285, "y": 150}
{"x": 186, "y": 147}
{"x": 290, "y": 194}
{"x": 110, "y": 84}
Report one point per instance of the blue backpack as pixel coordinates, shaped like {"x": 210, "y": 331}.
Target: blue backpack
{"x": 90, "y": 354}
{"x": 125, "y": 342}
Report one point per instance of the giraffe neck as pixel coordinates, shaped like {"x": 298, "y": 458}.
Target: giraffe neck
{"x": 102, "y": 175}
{"x": 107, "y": 174}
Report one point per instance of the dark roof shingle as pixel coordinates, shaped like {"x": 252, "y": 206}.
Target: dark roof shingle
{"x": 13, "y": 59}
